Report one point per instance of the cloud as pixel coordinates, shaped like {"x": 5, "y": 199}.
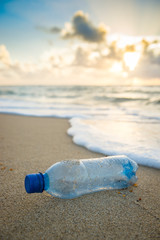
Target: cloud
{"x": 53, "y": 30}
{"x": 83, "y": 62}
{"x": 81, "y": 57}
{"x": 91, "y": 56}
{"x": 81, "y": 27}
{"x": 146, "y": 70}
{"x": 149, "y": 62}
{"x": 115, "y": 53}
{"x": 4, "y": 56}
{"x": 130, "y": 48}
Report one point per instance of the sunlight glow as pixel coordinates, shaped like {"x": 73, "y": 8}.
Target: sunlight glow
{"x": 131, "y": 59}
{"x": 116, "y": 67}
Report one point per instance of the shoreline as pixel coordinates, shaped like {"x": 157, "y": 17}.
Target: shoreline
{"x": 32, "y": 144}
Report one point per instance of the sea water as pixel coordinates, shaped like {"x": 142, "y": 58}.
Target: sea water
{"x": 113, "y": 120}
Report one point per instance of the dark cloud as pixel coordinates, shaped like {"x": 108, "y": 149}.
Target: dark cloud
{"x": 82, "y": 28}
{"x": 53, "y": 30}
{"x": 79, "y": 27}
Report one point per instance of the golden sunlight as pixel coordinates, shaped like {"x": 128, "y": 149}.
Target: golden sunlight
{"x": 131, "y": 59}
{"x": 116, "y": 67}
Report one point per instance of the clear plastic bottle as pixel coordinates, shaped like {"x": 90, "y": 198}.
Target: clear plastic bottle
{"x": 73, "y": 178}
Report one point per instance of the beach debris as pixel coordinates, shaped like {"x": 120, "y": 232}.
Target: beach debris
{"x": 3, "y": 168}
{"x": 135, "y": 185}
{"x": 139, "y": 199}
{"x": 130, "y": 190}
{"x": 73, "y": 178}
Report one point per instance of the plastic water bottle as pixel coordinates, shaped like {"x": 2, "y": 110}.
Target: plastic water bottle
{"x": 73, "y": 178}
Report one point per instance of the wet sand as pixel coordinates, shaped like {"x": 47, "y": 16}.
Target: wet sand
{"x": 29, "y": 145}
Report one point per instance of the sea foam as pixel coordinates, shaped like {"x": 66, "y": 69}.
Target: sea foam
{"x": 110, "y": 120}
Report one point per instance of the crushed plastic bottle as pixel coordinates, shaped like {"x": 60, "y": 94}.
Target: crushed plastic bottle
{"x": 73, "y": 178}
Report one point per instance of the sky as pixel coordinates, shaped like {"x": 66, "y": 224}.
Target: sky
{"x": 91, "y": 42}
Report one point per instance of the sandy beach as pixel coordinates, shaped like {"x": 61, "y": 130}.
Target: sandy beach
{"x": 30, "y": 145}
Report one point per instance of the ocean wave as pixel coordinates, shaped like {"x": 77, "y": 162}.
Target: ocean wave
{"x": 110, "y": 120}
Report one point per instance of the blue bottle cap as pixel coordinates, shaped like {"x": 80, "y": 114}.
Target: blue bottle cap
{"x": 34, "y": 183}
